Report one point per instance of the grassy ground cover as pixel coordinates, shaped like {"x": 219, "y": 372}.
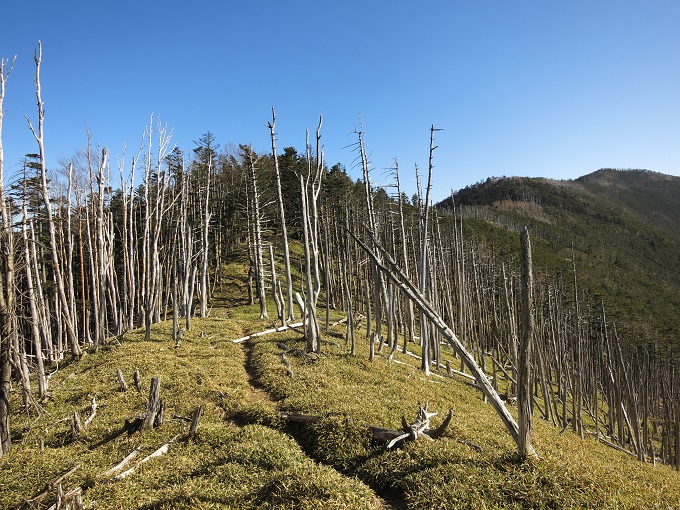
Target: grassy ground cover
{"x": 474, "y": 466}
{"x": 246, "y": 455}
{"x": 228, "y": 464}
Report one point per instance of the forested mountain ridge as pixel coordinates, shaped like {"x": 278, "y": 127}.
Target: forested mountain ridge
{"x": 623, "y": 226}
{"x": 651, "y": 196}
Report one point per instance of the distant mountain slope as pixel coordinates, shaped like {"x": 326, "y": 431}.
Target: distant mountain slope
{"x": 653, "y": 197}
{"x": 624, "y": 227}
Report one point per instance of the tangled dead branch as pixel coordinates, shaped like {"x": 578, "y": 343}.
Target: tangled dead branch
{"x": 420, "y": 428}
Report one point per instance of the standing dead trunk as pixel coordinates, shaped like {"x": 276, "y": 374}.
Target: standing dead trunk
{"x": 410, "y": 319}
{"x": 7, "y": 295}
{"x": 310, "y": 189}
{"x": 32, "y": 302}
{"x": 259, "y": 264}
{"x": 153, "y": 221}
{"x": 56, "y": 266}
{"x": 284, "y": 234}
{"x": 101, "y": 333}
{"x": 153, "y": 404}
{"x": 203, "y": 300}
{"x": 423, "y": 262}
{"x": 70, "y": 281}
{"x": 524, "y": 396}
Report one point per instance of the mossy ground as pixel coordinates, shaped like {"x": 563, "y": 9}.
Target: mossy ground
{"x": 351, "y": 393}
{"x": 246, "y": 456}
{"x": 229, "y": 464}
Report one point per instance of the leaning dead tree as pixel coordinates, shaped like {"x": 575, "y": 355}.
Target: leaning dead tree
{"x": 392, "y": 271}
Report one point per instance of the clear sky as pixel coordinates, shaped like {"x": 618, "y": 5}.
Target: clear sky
{"x": 520, "y": 87}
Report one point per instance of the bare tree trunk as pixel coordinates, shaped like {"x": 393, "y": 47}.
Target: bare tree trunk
{"x": 259, "y": 264}
{"x": 153, "y": 222}
{"x": 100, "y": 257}
{"x": 70, "y": 282}
{"x": 310, "y": 189}
{"x": 35, "y": 319}
{"x": 203, "y": 301}
{"x": 310, "y": 308}
{"x": 280, "y": 305}
{"x": 7, "y": 292}
{"x": 380, "y": 283}
{"x": 423, "y": 263}
{"x": 410, "y": 318}
{"x": 284, "y": 234}
{"x": 524, "y": 396}
{"x": 94, "y": 284}
{"x": 59, "y": 281}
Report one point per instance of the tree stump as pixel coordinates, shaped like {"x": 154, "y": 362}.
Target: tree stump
{"x": 121, "y": 381}
{"x": 152, "y": 406}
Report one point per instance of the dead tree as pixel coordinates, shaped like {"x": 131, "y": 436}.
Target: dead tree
{"x": 100, "y": 257}
{"x": 524, "y": 396}
{"x": 257, "y": 231}
{"x": 420, "y": 428}
{"x": 33, "y": 306}
{"x": 379, "y": 285}
{"x": 153, "y": 404}
{"x": 310, "y": 189}
{"x": 54, "y": 248}
{"x": 391, "y": 269}
{"x": 410, "y": 320}
{"x": 154, "y": 211}
{"x": 423, "y": 262}
{"x": 284, "y": 233}
{"x": 7, "y": 287}
{"x": 205, "y": 224}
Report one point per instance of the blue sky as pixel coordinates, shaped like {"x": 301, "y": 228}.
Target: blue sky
{"x": 525, "y": 87}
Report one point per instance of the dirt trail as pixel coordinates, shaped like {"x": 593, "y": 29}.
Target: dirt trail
{"x": 257, "y": 394}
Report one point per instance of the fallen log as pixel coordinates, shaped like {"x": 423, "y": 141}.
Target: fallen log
{"x": 420, "y": 428}
{"x": 122, "y": 463}
{"x": 162, "y": 450}
{"x": 71, "y": 499}
{"x": 449, "y": 371}
{"x": 268, "y": 332}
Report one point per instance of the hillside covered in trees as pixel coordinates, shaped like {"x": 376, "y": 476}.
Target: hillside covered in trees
{"x": 573, "y": 322}
{"x": 620, "y": 225}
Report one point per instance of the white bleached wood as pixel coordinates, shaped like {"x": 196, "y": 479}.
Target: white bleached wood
{"x": 161, "y": 451}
